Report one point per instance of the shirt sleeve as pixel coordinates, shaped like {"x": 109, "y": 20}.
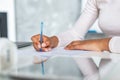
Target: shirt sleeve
{"x": 114, "y": 44}
{"x": 85, "y": 21}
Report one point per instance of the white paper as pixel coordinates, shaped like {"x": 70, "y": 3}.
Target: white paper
{"x": 54, "y": 52}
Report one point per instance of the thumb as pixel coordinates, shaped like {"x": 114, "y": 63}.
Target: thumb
{"x": 46, "y": 44}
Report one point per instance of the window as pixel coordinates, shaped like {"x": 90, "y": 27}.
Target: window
{"x": 3, "y": 24}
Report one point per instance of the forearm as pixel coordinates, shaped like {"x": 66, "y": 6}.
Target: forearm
{"x": 92, "y": 45}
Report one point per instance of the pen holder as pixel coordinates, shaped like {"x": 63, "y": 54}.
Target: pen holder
{"x": 8, "y": 57}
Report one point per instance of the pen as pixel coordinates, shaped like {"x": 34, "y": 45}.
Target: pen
{"x": 41, "y": 40}
{"x": 41, "y": 34}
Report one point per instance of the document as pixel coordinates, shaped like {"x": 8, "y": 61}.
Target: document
{"x": 60, "y": 51}
{"x": 30, "y": 54}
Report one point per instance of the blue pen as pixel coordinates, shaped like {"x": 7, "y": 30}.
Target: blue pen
{"x": 41, "y": 33}
{"x": 41, "y": 40}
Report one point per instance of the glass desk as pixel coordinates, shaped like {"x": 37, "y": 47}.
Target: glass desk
{"x": 58, "y": 68}
{"x": 64, "y": 68}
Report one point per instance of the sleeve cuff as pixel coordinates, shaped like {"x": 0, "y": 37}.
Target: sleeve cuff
{"x": 114, "y": 45}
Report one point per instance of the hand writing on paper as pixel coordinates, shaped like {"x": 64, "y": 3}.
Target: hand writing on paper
{"x": 93, "y": 45}
{"x": 48, "y": 42}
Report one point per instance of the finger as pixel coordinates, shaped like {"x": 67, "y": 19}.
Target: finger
{"x": 37, "y": 48}
{"x": 75, "y": 42}
{"x": 74, "y": 47}
{"x": 46, "y": 49}
{"x": 35, "y": 38}
{"x": 45, "y": 38}
{"x": 69, "y": 45}
{"x": 46, "y": 44}
{"x": 43, "y": 49}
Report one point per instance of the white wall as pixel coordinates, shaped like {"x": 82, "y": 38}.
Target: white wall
{"x": 8, "y": 6}
{"x": 58, "y": 16}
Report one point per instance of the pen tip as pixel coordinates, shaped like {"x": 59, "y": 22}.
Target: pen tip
{"x": 40, "y": 49}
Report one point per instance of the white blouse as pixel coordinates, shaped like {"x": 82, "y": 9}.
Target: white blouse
{"x": 108, "y": 14}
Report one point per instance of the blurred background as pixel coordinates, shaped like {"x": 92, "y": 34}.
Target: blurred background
{"x": 20, "y": 19}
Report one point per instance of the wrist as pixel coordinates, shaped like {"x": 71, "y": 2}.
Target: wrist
{"x": 105, "y": 44}
{"x": 54, "y": 41}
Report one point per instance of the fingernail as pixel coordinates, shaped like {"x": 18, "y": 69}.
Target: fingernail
{"x": 66, "y": 48}
{"x": 43, "y": 45}
{"x": 46, "y": 49}
{"x": 49, "y": 49}
{"x": 39, "y": 46}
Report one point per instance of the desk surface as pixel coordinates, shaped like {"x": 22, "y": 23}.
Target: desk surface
{"x": 54, "y": 66}
{"x": 71, "y": 53}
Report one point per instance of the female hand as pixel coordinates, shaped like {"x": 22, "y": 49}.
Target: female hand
{"x": 48, "y": 42}
{"x": 93, "y": 45}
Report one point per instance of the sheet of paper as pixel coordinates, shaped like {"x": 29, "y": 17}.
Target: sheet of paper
{"x": 31, "y": 55}
{"x": 54, "y": 52}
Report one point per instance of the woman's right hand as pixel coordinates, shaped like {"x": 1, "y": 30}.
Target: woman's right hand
{"x": 47, "y": 44}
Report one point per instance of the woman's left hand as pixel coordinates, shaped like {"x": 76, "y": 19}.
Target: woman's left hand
{"x": 92, "y": 45}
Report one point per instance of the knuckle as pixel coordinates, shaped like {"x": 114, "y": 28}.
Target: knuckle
{"x": 72, "y": 42}
{"x": 37, "y": 49}
{"x": 70, "y": 47}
